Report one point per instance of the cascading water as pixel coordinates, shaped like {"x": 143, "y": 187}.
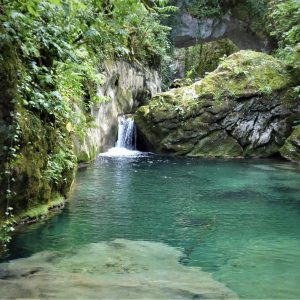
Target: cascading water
{"x": 126, "y": 133}
{"x": 126, "y": 143}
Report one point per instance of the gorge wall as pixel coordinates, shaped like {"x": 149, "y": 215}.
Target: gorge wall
{"x": 233, "y": 22}
{"x": 40, "y": 175}
{"x": 126, "y": 87}
{"x": 247, "y": 107}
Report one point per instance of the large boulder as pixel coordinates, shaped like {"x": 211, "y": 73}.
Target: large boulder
{"x": 243, "y": 108}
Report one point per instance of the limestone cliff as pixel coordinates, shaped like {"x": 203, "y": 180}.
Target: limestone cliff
{"x": 234, "y": 22}
{"x": 126, "y": 87}
{"x": 243, "y": 108}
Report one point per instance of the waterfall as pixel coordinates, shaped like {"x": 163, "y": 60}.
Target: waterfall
{"x": 126, "y": 143}
{"x": 126, "y": 133}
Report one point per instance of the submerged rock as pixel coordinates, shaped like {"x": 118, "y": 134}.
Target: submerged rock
{"x": 241, "y": 109}
{"x": 120, "y": 269}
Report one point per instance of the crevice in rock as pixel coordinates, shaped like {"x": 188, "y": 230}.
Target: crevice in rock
{"x": 229, "y": 133}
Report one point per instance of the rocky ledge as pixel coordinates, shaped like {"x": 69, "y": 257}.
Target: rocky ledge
{"x": 247, "y": 107}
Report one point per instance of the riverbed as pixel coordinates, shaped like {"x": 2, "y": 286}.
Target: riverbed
{"x": 165, "y": 227}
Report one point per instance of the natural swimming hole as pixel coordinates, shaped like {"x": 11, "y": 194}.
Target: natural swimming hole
{"x": 147, "y": 226}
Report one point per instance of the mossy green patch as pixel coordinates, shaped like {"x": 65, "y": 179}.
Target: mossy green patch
{"x": 40, "y": 211}
{"x": 45, "y": 165}
{"x": 217, "y": 144}
{"x": 87, "y": 155}
{"x": 202, "y": 58}
{"x": 243, "y": 74}
{"x": 291, "y": 147}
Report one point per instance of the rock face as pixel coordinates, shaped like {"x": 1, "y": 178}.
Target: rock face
{"x": 127, "y": 86}
{"x": 190, "y": 31}
{"x": 45, "y": 167}
{"x": 291, "y": 147}
{"x": 242, "y": 109}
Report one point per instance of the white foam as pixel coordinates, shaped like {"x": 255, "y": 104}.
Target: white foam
{"x": 122, "y": 152}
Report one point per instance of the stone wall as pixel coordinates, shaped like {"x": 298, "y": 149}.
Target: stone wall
{"x": 127, "y": 86}
{"x": 188, "y": 30}
{"x": 244, "y": 108}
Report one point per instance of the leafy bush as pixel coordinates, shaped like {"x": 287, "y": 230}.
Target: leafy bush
{"x": 204, "y": 8}
{"x": 53, "y": 51}
{"x": 284, "y": 26}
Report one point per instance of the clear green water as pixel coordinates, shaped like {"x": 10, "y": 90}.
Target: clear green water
{"x": 237, "y": 219}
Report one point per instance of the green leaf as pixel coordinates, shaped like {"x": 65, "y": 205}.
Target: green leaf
{"x": 31, "y": 9}
{"x": 56, "y": 2}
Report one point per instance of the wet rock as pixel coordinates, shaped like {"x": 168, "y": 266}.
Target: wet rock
{"x": 243, "y": 108}
{"x": 217, "y": 144}
{"x": 190, "y": 30}
{"x": 126, "y": 86}
{"x": 291, "y": 147}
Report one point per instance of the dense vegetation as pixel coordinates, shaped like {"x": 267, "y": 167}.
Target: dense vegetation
{"x": 51, "y": 54}
{"x": 284, "y": 27}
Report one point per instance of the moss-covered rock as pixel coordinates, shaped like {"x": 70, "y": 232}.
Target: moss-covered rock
{"x": 44, "y": 169}
{"x": 217, "y": 144}
{"x": 8, "y": 91}
{"x": 41, "y": 211}
{"x": 244, "y": 74}
{"x": 291, "y": 147}
{"x": 202, "y": 58}
{"x": 243, "y": 108}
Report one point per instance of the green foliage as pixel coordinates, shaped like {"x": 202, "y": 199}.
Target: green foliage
{"x": 253, "y": 13}
{"x": 60, "y": 162}
{"x": 60, "y": 42}
{"x": 52, "y": 51}
{"x": 204, "y": 8}
{"x": 6, "y": 181}
{"x": 284, "y": 26}
{"x": 168, "y": 69}
{"x": 203, "y": 58}
{"x": 6, "y": 228}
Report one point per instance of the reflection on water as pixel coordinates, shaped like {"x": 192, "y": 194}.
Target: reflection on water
{"x": 237, "y": 219}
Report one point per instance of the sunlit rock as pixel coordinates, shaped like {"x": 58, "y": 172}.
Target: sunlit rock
{"x": 120, "y": 269}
